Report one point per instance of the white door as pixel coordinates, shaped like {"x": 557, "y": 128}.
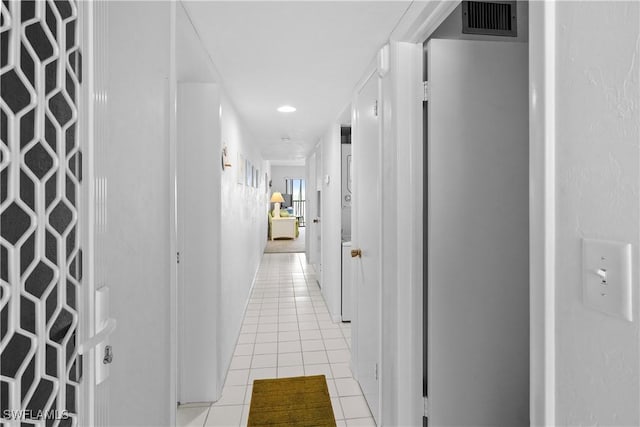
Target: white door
{"x": 317, "y": 225}
{"x": 478, "y": 277}
{"x": 199, "y": 230}
{"x": 310, "y": 235}
{"x": 317, "y": 221}
{"x": 366, "y": 237}
{"x": 314, "y": 195}
{"x": 96, "y": 319}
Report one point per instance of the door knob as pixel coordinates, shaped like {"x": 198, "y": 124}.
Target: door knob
{"x": 356, "y": 253}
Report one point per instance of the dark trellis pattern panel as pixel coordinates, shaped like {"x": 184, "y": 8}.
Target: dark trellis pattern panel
{"x": 40, "y": 173}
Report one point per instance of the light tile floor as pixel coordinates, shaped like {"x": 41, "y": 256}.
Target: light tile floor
{"x": 287, "y": 332}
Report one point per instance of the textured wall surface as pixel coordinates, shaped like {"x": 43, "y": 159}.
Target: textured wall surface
{"x": 243, "y": 209}
{"x": 136, "y": 165}
{"x": 598, "y": 195}
{"x": 280, "y": 173}
{"x": 244, "y": 231}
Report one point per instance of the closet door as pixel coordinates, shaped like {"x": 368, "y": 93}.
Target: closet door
{"x": 478, "y": 274}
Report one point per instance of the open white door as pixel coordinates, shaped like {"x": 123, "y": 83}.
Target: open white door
{"x": 366, "y": 238}
{"x": 478, "y": 235}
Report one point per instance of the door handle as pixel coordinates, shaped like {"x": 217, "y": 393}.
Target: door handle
{"x": 356, "y": 253}
{"x": 316, "y": 220}
{"x": 101, "y": 336}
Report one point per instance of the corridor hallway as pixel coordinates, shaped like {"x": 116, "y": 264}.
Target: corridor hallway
{"x": 287, "y": 332}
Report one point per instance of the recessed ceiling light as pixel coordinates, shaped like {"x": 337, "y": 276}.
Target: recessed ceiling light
{"x": 286, "y": 139}
{"x": 286, "y": 109}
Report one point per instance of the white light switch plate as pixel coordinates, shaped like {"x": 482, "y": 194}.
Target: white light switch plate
{"x": 611, "y": 294}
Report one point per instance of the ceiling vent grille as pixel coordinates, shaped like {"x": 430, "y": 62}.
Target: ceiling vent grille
{"x": 490, "y": 18}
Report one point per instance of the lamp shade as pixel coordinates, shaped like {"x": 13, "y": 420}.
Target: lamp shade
{"x": 277, "y": 198}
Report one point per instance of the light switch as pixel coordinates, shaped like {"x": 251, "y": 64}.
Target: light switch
{"x": 606, "y": 277}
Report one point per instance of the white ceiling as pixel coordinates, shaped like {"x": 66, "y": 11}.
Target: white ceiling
{"x": 309, "y": 54}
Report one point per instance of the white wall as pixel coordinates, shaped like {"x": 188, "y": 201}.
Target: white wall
{"x": 597, "y": 187}
{"x": 280, "y": 173}
{"x": 244, "y": 231}
{"x": 137, "y": 242}
{"x": 331, "y": 224}
{"x": 243, "y": 209}
{"x": 192, "y": 62}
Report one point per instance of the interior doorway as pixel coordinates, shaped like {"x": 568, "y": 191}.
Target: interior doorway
{"x": 287, "y": 233}
{"x": 476, "y": 242}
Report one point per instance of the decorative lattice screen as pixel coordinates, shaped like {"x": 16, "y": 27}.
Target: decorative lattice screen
{"x": 40, "y": 173}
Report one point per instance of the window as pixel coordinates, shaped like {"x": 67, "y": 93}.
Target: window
{"x": 296, "y": 189}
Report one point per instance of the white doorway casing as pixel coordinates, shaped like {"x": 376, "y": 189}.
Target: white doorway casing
{"x": 542, "y": 32}
{"x": 404, "y": 100}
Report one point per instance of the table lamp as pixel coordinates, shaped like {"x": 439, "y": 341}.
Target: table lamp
{"x": 276, "y": 198}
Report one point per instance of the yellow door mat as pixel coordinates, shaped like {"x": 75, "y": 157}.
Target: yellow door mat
{"x": 297, "y": 401}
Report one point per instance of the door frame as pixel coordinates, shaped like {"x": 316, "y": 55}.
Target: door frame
{"x": 172, "y": 130}
{"x": 93, "y": 403}
{"x": 421, "y": 20}
{"x": 310, "y": 207}
{"x": 542, "y": 207}
{"x": 86, "y": 113}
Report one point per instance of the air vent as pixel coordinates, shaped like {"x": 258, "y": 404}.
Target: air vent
{"x": 490, "y": 18}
